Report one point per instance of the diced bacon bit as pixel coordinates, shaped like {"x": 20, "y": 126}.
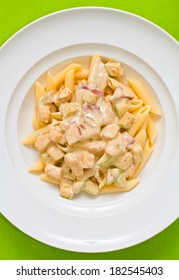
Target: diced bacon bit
{"x": 53, "y": 171}
{"x": 42, "y": 143}
{"x": 55, "y": 134}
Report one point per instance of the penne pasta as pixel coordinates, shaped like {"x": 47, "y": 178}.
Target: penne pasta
{"x": 144, "y": 125}
{"x": 69, "y": 80}
{"x": 114, "y": 84}
{"x": 142, "y": 93}
{"x": 51, "y": 83}
{"x": 141, "y": 116}
{"x": 83, "y": 74}
{"x": 147, "y": 151}
{"x": 48, "y": 179}
{"x": 39, "y": 91}
{"x": 30, "y": 139}
{"x": 35, "y": 121}
{"x": 136, "y": 104}
{"x": 37, "y": 167}
{"x": 151, "y": 130}
{"x": 141, "y": 137}
{"x": 60, "y": 77}
{"x": 113, "y": 189}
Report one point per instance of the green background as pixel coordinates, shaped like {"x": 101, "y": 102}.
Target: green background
{"x": 14, "y": 15}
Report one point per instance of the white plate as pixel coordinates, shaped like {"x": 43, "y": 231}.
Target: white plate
{"x": 107, "y": 222}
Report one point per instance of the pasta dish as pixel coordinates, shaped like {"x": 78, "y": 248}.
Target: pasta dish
{"x": 93, "y": 131}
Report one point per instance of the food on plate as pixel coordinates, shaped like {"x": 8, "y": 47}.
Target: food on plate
{"x": 93, "y": 129}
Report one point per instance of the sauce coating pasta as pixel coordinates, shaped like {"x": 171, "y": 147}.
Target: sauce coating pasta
{"x": 90, "y": 129}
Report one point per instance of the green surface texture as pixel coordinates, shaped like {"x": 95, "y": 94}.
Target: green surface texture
{"x": 15, "y": 14}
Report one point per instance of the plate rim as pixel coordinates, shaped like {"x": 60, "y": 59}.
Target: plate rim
{"x": 85, "y": 8}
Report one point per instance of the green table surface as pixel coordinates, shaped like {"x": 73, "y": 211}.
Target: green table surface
{"x": 14, "y": 14}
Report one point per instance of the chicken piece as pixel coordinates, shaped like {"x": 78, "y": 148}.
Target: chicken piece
{"x": 96, "y": 147}
{"x": 130, "y": 171}
{"x": 106, "y": 114}
{"x": 137, "y": 152}
{"x": 114, "y": 69}
{"x": 42, "y": 143}
{"x": 45, "y": 158}
{"x": 128, "y": 139}
{"x": 43, "y": 112}
{"x": 49, "y": 97}
{"x": 78, "y": 186}
{"x": 124, "y": 161}
{"x": 79, "y": 96}
{"x": 53, "y": 171}
{"x": 110, "y": 131}
{"x": 55, "y": 153}
{"x": 89, "y": 97}
{"x": 121, "y": 181}
{"x": 98, "y": 77}
{"x": 112, "y": 175}
{"x": 88, "y": 173}
{"x": 68, "y": 109}
{"x": 88, "y": 160}
{"x": 88, "y": 132}
{"x": 98, "y": 174}
{"x": 55, "y": 134}
{"x": 119, "y": 94}
{"x": 64, "y": 125}
{"x": 91, "y": 188}
{"x": 73, "y": 134}
{"x": 63, "y": 96}
{"x": 127, "y": 121}
{"x": 74, "y": 163}
{"x": 116, "y": 147}
{"x": 66, "y": 190}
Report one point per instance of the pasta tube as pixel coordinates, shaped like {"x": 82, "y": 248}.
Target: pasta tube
{"x": 141, "y": 137}
{"x": 151, "y": 130}
{"x": 136, "y": 104}
{"x": 69, "y": 80}
{"x": 114, "y": 84}
{"x": 60, "y": 77}
{"x": 48, "y": 179}
{"x": 83, "y": 74}
{"x": 142, "y": 93}
{"x": 30, "y": 139}
{"x": 51, "y": 83}
{"x": 37, "y": 167}
{"x": 35, "y": 121}
{"x": 147, "y": 151}
{"x": 39, "y": 91}
{"x": 112, "y": 189}
{"x": 141, "y": 115}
